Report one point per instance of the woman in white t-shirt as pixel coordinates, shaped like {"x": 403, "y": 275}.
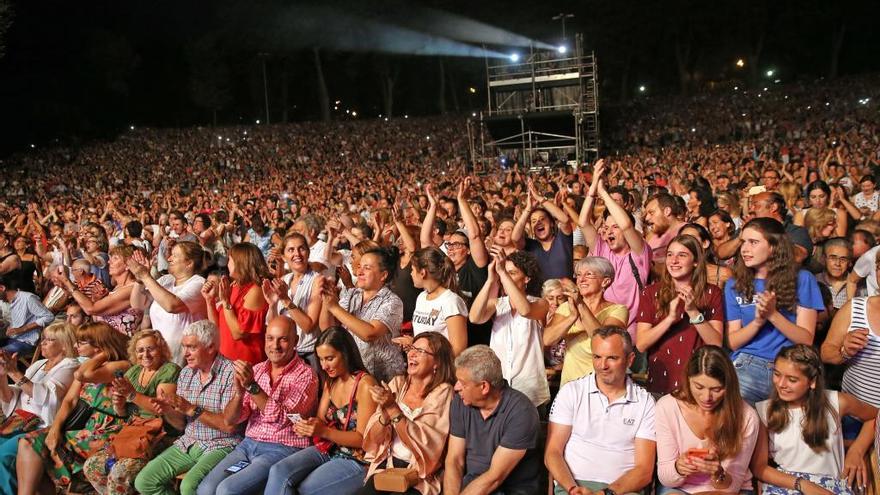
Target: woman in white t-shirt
{"x": 801, "y": 431}
{"x": 438, "y": 308}
{"x": 519, "y": 321}
{"x": 174, "y": 300}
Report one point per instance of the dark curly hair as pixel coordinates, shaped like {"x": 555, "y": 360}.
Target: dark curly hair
{"x": 782, "y": 273}
{"x": 528, "y": 264}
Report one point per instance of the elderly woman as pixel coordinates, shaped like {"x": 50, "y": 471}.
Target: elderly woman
{"x": 411, "y": 423}
{"x": 33, "y": 401}
{"x": 152, "y": 374}
{"x": 175, "y": 299}
{"x": 115, "y": 308}
{"x": 62, "y": 448}
{"x": 553, "y": 291}
{"x": 584, "y": 312}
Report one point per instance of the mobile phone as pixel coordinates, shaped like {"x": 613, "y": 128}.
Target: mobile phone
{"x": 238, "y": 466}
{"x": 294, "y": 418}
{"x": 698, "y": 453}
{"x": 119, "y": 373}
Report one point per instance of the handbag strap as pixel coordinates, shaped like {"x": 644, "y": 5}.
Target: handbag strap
{"x": 354, "y": 389}
{"x": 635, "y": 270}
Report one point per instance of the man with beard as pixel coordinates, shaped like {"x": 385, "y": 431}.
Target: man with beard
{"x": 662, "y": 218}
{"x": 552, "y": 242}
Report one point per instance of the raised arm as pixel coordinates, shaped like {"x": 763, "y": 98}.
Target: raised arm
{"x": 550, "y": 205}
{"x": 475, "y": 237}
{"x": 585, "y": 220}
{"x": 632, "y": 236}
{"x": 518, "y": 236}
{"x": 483, "y": 306}
{"x": 426, "y": 235}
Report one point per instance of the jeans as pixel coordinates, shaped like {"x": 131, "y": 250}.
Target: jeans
{"x": 13, "y": 346}
{"x": 251, "y": 479}
{"x": 755, "y": 377}
{"x": 309, "y": 472}
{"x": 158, "y": 474}
{"x": 593, "y": 486}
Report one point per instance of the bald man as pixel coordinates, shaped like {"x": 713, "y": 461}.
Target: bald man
{"x": 268, "y": 396}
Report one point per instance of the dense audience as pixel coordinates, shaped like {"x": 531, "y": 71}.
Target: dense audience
{"x": 346, "y": 308}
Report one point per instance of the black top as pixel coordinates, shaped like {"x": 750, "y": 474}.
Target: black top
{"x": 24, "y": 275}
{"x": 402, "y": 285}
{"x": 513, "y": 425}
{"x": 470, "y": 280}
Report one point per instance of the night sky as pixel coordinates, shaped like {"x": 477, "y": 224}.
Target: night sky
{"x": 74, "y": 71}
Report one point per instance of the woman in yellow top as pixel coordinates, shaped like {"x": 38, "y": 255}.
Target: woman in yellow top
{"x": 591, "y": 310}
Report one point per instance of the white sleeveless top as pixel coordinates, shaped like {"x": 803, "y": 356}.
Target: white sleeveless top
{"x": 863, "y": 370}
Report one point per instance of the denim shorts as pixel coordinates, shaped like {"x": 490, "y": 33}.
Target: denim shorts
{"x": 755, "y": 376}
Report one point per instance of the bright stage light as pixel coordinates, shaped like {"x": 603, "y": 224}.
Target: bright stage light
{"x": 740, "y": 63}
{"x": 642, "y": 89}
{"x": 514, "y": 57}
{"x": 770, "y": 73}
{"x": 472, "y": 90}
{"x": 562, "y": 49}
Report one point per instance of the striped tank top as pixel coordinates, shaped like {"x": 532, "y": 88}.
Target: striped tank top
{"x": 300, "y": 295}
{"x": 863, "y": 371}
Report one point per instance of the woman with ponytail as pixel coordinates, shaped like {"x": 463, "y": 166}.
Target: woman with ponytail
{"x": 439, "y": 308}
{"x": 801, "y": 431}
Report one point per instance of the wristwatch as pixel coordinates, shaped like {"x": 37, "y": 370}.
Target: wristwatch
{"x": 197, "y": 412}
{"x": 699, "y": 319}
{"x": 608, "y": 491}
{"x": 291, "y": 306}
{"x": 254, "y": 389}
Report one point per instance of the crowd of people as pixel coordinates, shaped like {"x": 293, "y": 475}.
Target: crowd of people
{"x": 343, "y": 308}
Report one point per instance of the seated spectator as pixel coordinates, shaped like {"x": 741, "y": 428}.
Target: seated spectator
{"x": 33, "y": 401}
{"x": 371, "y": 312}
{"x": 174, "y": 300}
{"x": 204, "y": 388}
{"x": 62, "y": 448}
{"x": 297, "y": 295}
{"x": 237, "y": 306}
{"x": 75, "y": 316}
{"x": 411, "y": 424}
{"x": 336, "y": 463}
{"x": 87, "y": 282}
{"x": 152, "y": 374}
{"x": 266, "y": 396}
{"x": 801, "y": 430}
{"x": 772, "y": 205}
{"x": 601, "y": 431}
{"x": 770, "y": 304}
{"x": 115, "y": 307}
{"x": 518, "y": 319}
{"x": 706, "y": 433}
{"x": 493, "y": 431}
{"x": 722, "y": 229}
{"x": 27, "y": 316}
{"x": 837, "y": 261}
{"x": 439, "y": 308}
{"x": 677, "y": 315}
{"x": 584, "y": 312}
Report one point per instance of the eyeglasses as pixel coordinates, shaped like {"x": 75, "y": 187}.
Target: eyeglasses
{"x": 456, "y": 245}
{"x": 590, "y": 276}
{"x": 419, "y": 350}
{"x": 837, "y": 259}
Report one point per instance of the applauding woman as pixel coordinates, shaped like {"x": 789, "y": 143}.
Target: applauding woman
{"x": 438, "y": 308}
{"x": 411, "y": 424}
{"x": 335, "y": 465}
{"x": 706, "y": 433}
{"x": 519, "y": 318}
{"x": 678, "y": 314}
{"x": 801, "y": 431}
{"x": 770, "y": 303}
{"x": 237, "y": 306}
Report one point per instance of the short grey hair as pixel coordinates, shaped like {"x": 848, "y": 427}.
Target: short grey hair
{"x": 609, "y": 331}
{"x": 205, "y": 332}
{"x": 312, "y": 222}
{"x": 550, "y": 285}
{"x": 596, "y": 264}
{"x": 482, "y": 364}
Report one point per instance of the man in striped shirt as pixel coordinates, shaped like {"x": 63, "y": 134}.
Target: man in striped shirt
{"x": 267, "y": 396}
{"x": 27, "y": 316}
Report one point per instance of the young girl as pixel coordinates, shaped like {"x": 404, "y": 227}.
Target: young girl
{"x": 801, "y": 430}
{"x": 770, "y": 303}
{"x": 439, "y": 308}
{"x": 678, "y": 314}
{"x": 706, "y": 433}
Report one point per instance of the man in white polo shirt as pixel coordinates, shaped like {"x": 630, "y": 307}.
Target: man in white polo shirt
{"x": 601, "y": 432}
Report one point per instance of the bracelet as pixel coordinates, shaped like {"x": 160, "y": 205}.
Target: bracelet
{"x": 797, "y": 485}
{"x": 572, "y": 488}
{"x": 843, "y": 354}
{"x": 396, "y": 419}
{"x": 22, "y": 381}
{"x": 382, "y": 422}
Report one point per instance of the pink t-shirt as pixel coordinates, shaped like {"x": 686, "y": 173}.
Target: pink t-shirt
{"x": 660, "y": 243}
{"x": 675, "y": 437}
{"x": 625, "y": 290}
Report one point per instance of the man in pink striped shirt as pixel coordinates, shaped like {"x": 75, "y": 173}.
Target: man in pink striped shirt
{"x": 267, "y": 396}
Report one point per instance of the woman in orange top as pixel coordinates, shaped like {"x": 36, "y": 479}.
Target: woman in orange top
{"x": 236, "y": 304}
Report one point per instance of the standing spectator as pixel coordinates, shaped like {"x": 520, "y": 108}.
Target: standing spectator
{"x": 601, "y": 431}
{"x": 770, "y": 304}
{"x": 439, "y": 308}
{"x": 551, "y": 240}
{"x": 27, "y": 317}
{"x": 706, "y": 433}
{"x": 493, "y": 431}
{"x": 662, "y": 214}
{"x": 259, "y": 235}
{"x": 584, "y": 312}
{"x": 178, "y": 231}
{"x": 411, "y": 424}
{"x": 519, "y": 318}
{"x": 678, "y": 314}
{"x": 370, "y": 312}
{"x": 266, "y": 396}
{"x": 204, "y": 388}
{"x": 174, "y": 300}
{"x": 237, "y": 306}
{"x": 801, "y": 430}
